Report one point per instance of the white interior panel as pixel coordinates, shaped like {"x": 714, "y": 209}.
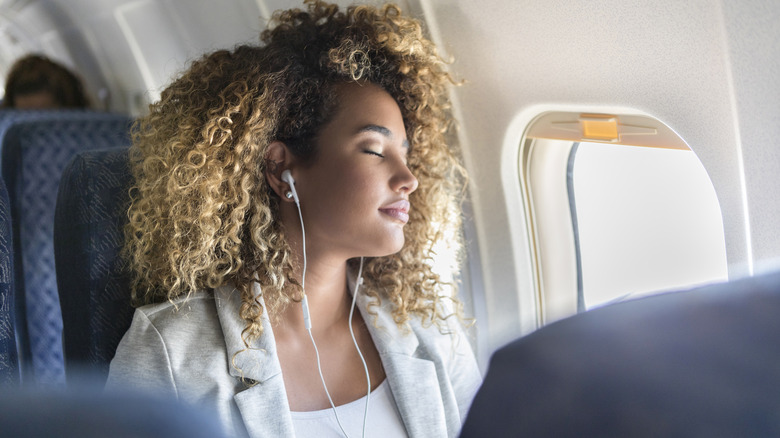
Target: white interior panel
{"x": 157, "y": 48}
{"x": 753, "y": 43}
{"x": 668, "y": 59}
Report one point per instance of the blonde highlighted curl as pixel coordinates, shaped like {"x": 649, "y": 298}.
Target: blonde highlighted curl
{"x": 202, "y": 214}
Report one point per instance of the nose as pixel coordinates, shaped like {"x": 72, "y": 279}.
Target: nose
{"x": 404, "y": 180}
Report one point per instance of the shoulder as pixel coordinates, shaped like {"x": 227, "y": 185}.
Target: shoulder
{"x": 446, "y": 333}
{"x": 444, "y": 338}
{"x": 182, "y": 325}
{"x": 178, "y": 349}
{"x": 447, "y": 343}
{"x": 165, "y": 338}
{"x": 182, "y": 311}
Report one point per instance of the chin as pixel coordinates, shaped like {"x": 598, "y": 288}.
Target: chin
{"x": 399, "y": 245}
{"x": 390, "y": 248}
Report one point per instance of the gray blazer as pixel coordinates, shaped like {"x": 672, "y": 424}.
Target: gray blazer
{"x": 193, "y": 351}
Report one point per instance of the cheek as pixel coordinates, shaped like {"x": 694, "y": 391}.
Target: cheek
{"x": 342, "y": 195}
{"x": 356, "y": 202}
{"x": 358, "y": 187}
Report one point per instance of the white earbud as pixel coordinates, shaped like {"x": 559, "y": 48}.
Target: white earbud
{"x": 288, "y": 178}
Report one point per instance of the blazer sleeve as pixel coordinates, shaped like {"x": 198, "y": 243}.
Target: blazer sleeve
{"x": 464, "y": 372}
{"x": 142, "y": 362}
{"x": 462, "y": 369}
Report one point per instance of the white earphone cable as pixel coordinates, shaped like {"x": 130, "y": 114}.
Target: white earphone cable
{"x": 358, "y": 283}
{"x": 307, "y": 323}
{"x": 307, "y": 317}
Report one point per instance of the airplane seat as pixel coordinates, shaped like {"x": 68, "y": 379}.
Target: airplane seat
{"x": 88, "y": 412}
{"x": 93, "y": 284}
{"x": 9, "y": 365}
{"x": 36, "y": 146}
{"x": 9, "y": 116}
{"x": 696, "y": 363}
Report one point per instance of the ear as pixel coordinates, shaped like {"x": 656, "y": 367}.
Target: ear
{"x": 277, "y": 158}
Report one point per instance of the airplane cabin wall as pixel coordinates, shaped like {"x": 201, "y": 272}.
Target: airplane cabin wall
{"x": 706, "y": 68}
{"x": 128, "y": 50}
{"x": 754, "y": 51}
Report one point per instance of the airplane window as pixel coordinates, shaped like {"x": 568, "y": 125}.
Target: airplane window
{"x": 618, "y": 206}
{"x": 647, "y": 219}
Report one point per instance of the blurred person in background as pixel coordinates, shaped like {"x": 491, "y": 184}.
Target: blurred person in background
{"x": 36, "y": 82}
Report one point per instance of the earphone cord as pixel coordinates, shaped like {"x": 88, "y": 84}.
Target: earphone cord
{"x": 307, "y": 323}
{"x": 322, "y": 378}
{"x": 303, "y": 239}
{"x": 351, "y": 332}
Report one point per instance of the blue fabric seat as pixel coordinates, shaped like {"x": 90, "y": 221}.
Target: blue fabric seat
{"x": 36, "y": 146}
{"x": 90, "y": 413}
{"x": 9, "y": 364}
{"x": 93, "y": 284}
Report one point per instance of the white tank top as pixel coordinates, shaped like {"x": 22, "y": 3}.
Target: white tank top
{"x": 383, "y": 418}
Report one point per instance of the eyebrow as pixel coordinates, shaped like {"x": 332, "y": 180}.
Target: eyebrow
{"x": 383, "y": 131}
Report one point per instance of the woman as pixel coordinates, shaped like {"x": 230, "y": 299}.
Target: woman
{"x": 274, "y": 184}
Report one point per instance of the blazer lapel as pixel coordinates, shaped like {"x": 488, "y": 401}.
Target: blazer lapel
{"x": 415, "y": 388}
{"x": 264, "y": 409}
{"x": 263, "y": 406}
{"x": 413, "y": 380}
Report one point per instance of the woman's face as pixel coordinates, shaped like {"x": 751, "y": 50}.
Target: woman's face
{"x": 355, "y": 196}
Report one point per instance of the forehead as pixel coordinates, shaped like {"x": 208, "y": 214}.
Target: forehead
{"x": 361, "y": 105}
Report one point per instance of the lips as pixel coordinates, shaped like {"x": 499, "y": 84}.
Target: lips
{"x": 398, "y": 210}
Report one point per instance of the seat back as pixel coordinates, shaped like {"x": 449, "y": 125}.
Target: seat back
{"x": 88, "y": 237}
{"x": 9, "y": 364}
{"x": 90, "y": 413}
{"x": 697, "y": 363}
{"x": 35, "y": 149}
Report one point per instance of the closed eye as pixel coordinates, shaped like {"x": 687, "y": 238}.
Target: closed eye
{"x": 370, "y": 152}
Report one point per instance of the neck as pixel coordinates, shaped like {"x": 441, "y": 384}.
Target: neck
{"x": 327, "y": 295}
{"x": 326, "y": 291}
{"x": 325, "y": 282}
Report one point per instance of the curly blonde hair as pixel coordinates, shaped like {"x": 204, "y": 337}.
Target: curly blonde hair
{"x": 202, "y": 214}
